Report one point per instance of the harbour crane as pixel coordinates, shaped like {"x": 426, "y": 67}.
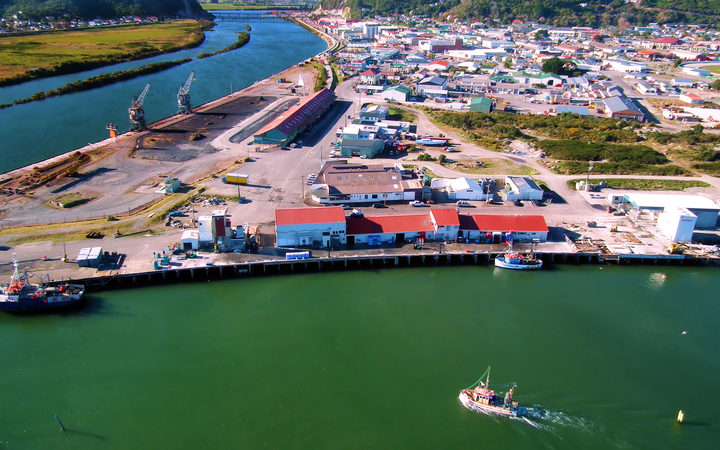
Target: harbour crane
{"x": 183, "y": 96}
{"x": 137, "y": 114}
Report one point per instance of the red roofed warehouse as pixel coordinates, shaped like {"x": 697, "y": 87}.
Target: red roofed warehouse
{"x": 493, "y": 228}
{"x": 296, "y": 227}
{"x": 286, "y": 127}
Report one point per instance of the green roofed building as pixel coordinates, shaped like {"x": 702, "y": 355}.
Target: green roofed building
{"x": 397, "y": 93}
{"x": 481, "y": 104}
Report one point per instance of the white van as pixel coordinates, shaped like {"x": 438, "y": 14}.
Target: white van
{"x": 464, "y": 203}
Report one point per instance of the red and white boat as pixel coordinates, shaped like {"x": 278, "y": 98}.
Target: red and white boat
{"x": 518, "y": 261}
{"x": 480, "y": 398}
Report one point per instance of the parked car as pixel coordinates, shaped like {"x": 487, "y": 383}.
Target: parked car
{"x": 379, "y": 205}
{"x": 464, "y": 204}
{"x": 518, "y": 202}
{"x": 538, "y": 203}
{"x": 416, "y": 203}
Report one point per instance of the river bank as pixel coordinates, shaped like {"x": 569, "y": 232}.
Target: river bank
{"x": 103, "y": 148}
{"x": 65, "y": 66}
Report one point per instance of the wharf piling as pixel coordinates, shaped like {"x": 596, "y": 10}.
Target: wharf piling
{"x": 361, "y": 262}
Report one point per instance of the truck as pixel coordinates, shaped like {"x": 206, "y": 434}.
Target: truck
{"x": 235, "y": 178}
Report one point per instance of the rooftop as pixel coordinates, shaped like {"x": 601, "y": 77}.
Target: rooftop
{"x": 297, "y": 216}
{"x": 497, "y": 222}
{"x": 389, "y": 224}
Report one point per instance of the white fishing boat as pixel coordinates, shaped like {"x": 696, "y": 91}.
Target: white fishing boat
{"x": 518, "y": 261}
{"x": 480, "y": 398}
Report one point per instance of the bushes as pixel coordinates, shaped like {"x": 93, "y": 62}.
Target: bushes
{"x": 593, "y": 151}
{"x": 618, "y": 168}
{"x": 491, "y": 128}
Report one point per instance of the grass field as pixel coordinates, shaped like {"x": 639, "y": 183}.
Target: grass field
{"x": 20, "y": 54}
{"x": 713, "y": 69}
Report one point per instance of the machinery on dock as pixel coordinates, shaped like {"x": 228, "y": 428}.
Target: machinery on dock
{"x": 136, "y": 112}
{"x": 183, "y": 96}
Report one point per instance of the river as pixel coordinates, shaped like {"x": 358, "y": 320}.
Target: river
{"x": 373, "y": 359}
{"x": 39, "y": 130}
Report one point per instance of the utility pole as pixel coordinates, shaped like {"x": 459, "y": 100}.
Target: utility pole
{"x": 302, "y": 187}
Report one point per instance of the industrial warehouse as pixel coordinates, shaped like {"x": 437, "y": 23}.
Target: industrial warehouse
{"x": 286, "y": 127}
{"x": 328, "y": 226}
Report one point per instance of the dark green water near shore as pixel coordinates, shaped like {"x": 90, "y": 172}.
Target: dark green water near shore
{"x": 373, "y": 360}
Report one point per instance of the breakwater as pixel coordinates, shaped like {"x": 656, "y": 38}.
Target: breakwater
{"x": 364, "y": 262}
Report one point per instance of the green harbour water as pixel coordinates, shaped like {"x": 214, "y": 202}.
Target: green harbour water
{"x": 373, "y": 359}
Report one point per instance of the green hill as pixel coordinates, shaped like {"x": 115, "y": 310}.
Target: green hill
{"x": 90, "y": 9}
{"x": 554, "y": 12}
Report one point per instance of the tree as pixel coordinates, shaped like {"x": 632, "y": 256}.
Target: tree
{"x": 507, "y": 63}
{"x": 541, "y": 35}
{"x": 553, "y": 65}
{"x": 715, "y": 85}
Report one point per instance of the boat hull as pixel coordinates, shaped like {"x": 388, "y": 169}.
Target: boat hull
{"x": 485, "y": 409}
{"x": 33, "y": 305}
{"x": 502, "y": 263}
{"x": 431, "y": 142}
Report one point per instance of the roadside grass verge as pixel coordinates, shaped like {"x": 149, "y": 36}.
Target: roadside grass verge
{"x": 643, "y": 185}
{"x": 499, "y": 166}
{"x": 618, "y": 168}
{"x": 401, "y": 114}
{"x": 710, "y": 168}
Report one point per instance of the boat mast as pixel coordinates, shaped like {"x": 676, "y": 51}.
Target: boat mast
{"x": 487, "y": 380}
{"x": 16, "y": 273}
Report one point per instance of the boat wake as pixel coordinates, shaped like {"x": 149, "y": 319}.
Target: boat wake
{"x": 544, "y": 419}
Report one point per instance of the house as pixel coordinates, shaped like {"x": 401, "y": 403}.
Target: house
{"x": 579, "y": 110}
{"x": 373, "y": 113}
{"x": 645, "y": 88}
{"x": 298, "y": 227}
{"x": 432, "y": 86}
{"x": 288, "y": 125}
{"x": 522, "y": 188}
{"x": 693, "y": 99}
{"x": 495, "y": 228}
{"x": 398, "y": 93}
{"x": 481, "y": 104}
{"x": 621, "y": 107}
{"x": 370, "y": 76}
{"x": 439, "y": 66}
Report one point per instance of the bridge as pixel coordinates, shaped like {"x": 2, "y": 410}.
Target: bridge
{"x": 246, "y": 16}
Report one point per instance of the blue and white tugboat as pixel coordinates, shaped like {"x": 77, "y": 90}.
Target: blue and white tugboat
{"x": 19, "y": 295}
{"x": 515, "y": 260}
{"x": 480, "y": 398}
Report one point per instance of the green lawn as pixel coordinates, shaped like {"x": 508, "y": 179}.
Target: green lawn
{"x": 20, "y": 54}
{"x": 713, "y": 69}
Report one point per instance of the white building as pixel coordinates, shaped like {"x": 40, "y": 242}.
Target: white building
{"x": 677, "y": 224}
{"x": 461, "y": 188}
{"x": 299, "y": 227}
{"x": 521, "y": 188}
{"x": 705, "y": 209}
{"x": 623, "y": 65}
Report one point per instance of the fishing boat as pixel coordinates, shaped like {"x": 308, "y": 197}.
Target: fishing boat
{"x": 512, "y": 259}
{"x": 19, "y": 295}
{"x": 429, "y": 140}
{"x": 478, "y": 397}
